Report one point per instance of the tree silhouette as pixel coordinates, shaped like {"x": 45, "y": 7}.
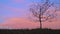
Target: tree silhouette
{"x": 38, "y": 10}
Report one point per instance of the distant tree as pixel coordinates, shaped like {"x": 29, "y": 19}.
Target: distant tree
{"x": 38, "y": 10}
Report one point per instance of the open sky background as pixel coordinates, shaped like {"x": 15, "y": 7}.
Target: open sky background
{"x": 14, "y": 14}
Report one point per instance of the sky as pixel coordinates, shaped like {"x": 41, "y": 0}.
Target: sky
{"x": 14, "y": 14}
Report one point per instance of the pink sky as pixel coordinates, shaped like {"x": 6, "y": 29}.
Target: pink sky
{"x": 18, "y": 23}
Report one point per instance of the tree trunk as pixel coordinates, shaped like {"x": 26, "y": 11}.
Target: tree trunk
{"x": 40, "y": 21}
{"x": 40, "y": 24}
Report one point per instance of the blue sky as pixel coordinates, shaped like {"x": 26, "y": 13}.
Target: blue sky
{"x": 24, "y": 5}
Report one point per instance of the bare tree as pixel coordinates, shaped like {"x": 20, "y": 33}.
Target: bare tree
{"x": 38, "y": 10}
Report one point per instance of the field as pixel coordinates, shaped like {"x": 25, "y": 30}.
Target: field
{"x": 27, "y": 31}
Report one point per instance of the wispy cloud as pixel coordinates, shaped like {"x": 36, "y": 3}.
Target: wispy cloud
{"x": 18, "y": 23}
{"x": 17, "y": 1}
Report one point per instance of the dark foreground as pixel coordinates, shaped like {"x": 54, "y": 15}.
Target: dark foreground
{"x": 26, "y": 31}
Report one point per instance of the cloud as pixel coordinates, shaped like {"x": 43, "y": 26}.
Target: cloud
{"x": 18, "y": 23}
{"x": 22, "y": 23}
{"x": 15, "y": 11}
{"x": 17, "y": 1}
{"x": 5, "y": 7}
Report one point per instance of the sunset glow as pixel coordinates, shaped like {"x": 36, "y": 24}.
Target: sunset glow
{"x": 14, "y": 14}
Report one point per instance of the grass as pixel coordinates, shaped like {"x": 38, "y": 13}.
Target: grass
{"x": 27, "y": 31}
